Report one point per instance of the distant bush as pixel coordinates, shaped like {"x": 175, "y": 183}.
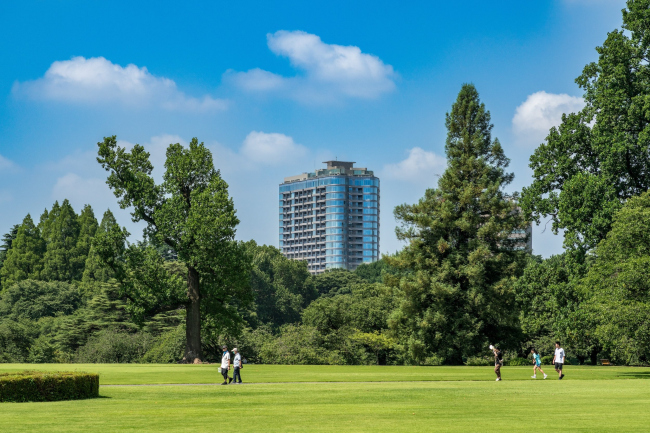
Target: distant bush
{"x": 42, "y": 351}
{"x": 48, "y": 386}
{"x": 477, "y": 361}
{"x": 114, "y": 346}
{"x": 519, "y": 362}
{"x": 14, "y": 341}
{"x": 167, "y": 348}
{"x": 547, "y": 360}
{"x": 295, "y": 345}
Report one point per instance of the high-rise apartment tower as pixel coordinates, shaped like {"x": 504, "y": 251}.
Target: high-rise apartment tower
{"x": 330, "y": 218}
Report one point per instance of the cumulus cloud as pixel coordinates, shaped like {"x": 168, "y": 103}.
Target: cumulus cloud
{"x": 419, "y": 166}
{"x": 83, "y": 190}
{"x": 328, "y": 71}
{"x": 540, "y": 112}
{"x": 96, "y": 80}
{"x": 271, "y": 148}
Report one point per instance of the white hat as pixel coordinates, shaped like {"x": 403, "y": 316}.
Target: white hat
{"x": 234, "y": 349}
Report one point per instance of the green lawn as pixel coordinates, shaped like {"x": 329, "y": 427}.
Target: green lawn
{"x": 121, "y": 374}
{"x": 368, "y": 399}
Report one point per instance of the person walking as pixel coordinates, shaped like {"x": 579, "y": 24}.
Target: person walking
{"x": 225, "y": 365}
{"x": 237, "y": 366}
{"x": 537, "y": 364}
{"x": 498, "y": 361}
{"x": 558, "y": 360}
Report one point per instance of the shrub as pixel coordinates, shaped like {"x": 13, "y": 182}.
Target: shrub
{"x": 519, "y": 362}
{"x": 113, "y": 346}
{"x": 168, "y": 347}
{"x": 477, "y": 361}
{"x": 48, "y": 386}
{"x": 547, "y": 360}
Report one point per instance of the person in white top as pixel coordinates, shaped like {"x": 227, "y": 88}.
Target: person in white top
{"x": 225, "y": 365}
{"x": 558, "y": 360}
{"x": 236, "y": 372}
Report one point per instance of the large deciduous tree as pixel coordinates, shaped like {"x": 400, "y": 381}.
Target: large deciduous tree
{"x": 192, "y": 213}
{"x": 600, "y": 157}
{"x": 459, "y": 266}
{"x": 618, "y": 285}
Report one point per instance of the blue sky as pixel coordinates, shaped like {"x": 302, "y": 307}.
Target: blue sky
{"x": 274, "y": 88}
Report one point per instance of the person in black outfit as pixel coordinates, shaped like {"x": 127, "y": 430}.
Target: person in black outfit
{"x": 498, "y": 361}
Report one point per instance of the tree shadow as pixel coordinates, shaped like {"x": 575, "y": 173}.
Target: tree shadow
{"x": 635, "y": 375}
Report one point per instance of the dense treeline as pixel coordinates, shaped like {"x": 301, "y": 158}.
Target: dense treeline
{"x": 74, "y": 289}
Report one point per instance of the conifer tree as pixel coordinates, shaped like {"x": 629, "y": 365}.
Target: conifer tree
{"x": 457, "y": 271}
{"x": 7, "y": 240}
{"x": 87, "y": 229}
{"x": 95, "y": 271}
{"x": 25, "y": 258}
{"x": 61, "y": 233}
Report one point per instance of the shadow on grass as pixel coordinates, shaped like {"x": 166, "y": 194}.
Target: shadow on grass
{"x": 635, "y": 375}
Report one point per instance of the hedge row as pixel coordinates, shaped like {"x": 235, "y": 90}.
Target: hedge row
{"x": 48, "y": 386}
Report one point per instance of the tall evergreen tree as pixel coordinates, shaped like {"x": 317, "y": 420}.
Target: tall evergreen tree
{"x": 25, "y": 258}
{"x": 457, "y": 271}
{"x": 7, "y": 240}
{"x": 95, "y": 270}
{"x": 87, "y": 229}
{"x": 61, "y": 233}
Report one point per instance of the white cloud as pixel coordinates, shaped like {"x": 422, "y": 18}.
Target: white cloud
{"x": 270, "y": 149}
{"x": 98, "y": 81}
{"x": 81, "y": 190}
{"x": 6, "y": 165}
{"x": 329, "y": 71}
{"x": 540, "y": 112}
{"x": 420, "y": 166}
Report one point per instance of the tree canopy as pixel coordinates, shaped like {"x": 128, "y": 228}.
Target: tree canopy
{"x": 599, "y": 157}
{"x": 192, "y": 213}
{"x": 458, "y": 268}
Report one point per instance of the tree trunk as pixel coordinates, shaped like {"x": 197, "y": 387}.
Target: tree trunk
{"x": 193, "y": 317}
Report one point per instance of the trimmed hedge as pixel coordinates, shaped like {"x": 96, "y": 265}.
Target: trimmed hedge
{"x": 48, "y": 386}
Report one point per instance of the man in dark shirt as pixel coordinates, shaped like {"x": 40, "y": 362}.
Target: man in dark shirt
{"x": 498, "y": 361}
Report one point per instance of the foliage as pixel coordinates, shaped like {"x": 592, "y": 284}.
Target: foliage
{"x": 7, "y": 240}
{"x": 518, "y": 362}
{"x": 114, "y": 347}
{"x": 598, "y": 158}
{"x": 618, "y": 285}
{"x": 167, "y": 348}
{"x": 42, "y": 386}
{"x": 457, "y": 272}
{"x": 61, "y": 228}
{"x": 190, "y": 212}
{"x": 355, "y": 324}
{"x": 549, "y": 302}
{"x": 334, "y": 281}
{"x": 15, "y": 341}
{"x": 479, "y": 361}
{"x": 24, "y": 259}
{"x": 280, "y": 286}
{"x": 372, "y": 272}
{"x": 296, "y": 344}
{"x": 31, "y": 299}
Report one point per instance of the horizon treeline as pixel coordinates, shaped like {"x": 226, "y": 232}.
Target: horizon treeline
{"x": 75, "y": 290}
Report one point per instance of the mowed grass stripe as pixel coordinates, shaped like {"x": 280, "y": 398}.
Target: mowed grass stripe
{"x": 121, "y": 374}
{"x": 578, "y": 406}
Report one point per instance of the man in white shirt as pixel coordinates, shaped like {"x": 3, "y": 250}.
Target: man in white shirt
{"x": 558, "y": 359}
{"x": 225, "y": 365}
{"x": 236, "y": 367}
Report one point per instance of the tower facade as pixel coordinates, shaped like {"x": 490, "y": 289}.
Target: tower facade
{"x": 330, "y": 218}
